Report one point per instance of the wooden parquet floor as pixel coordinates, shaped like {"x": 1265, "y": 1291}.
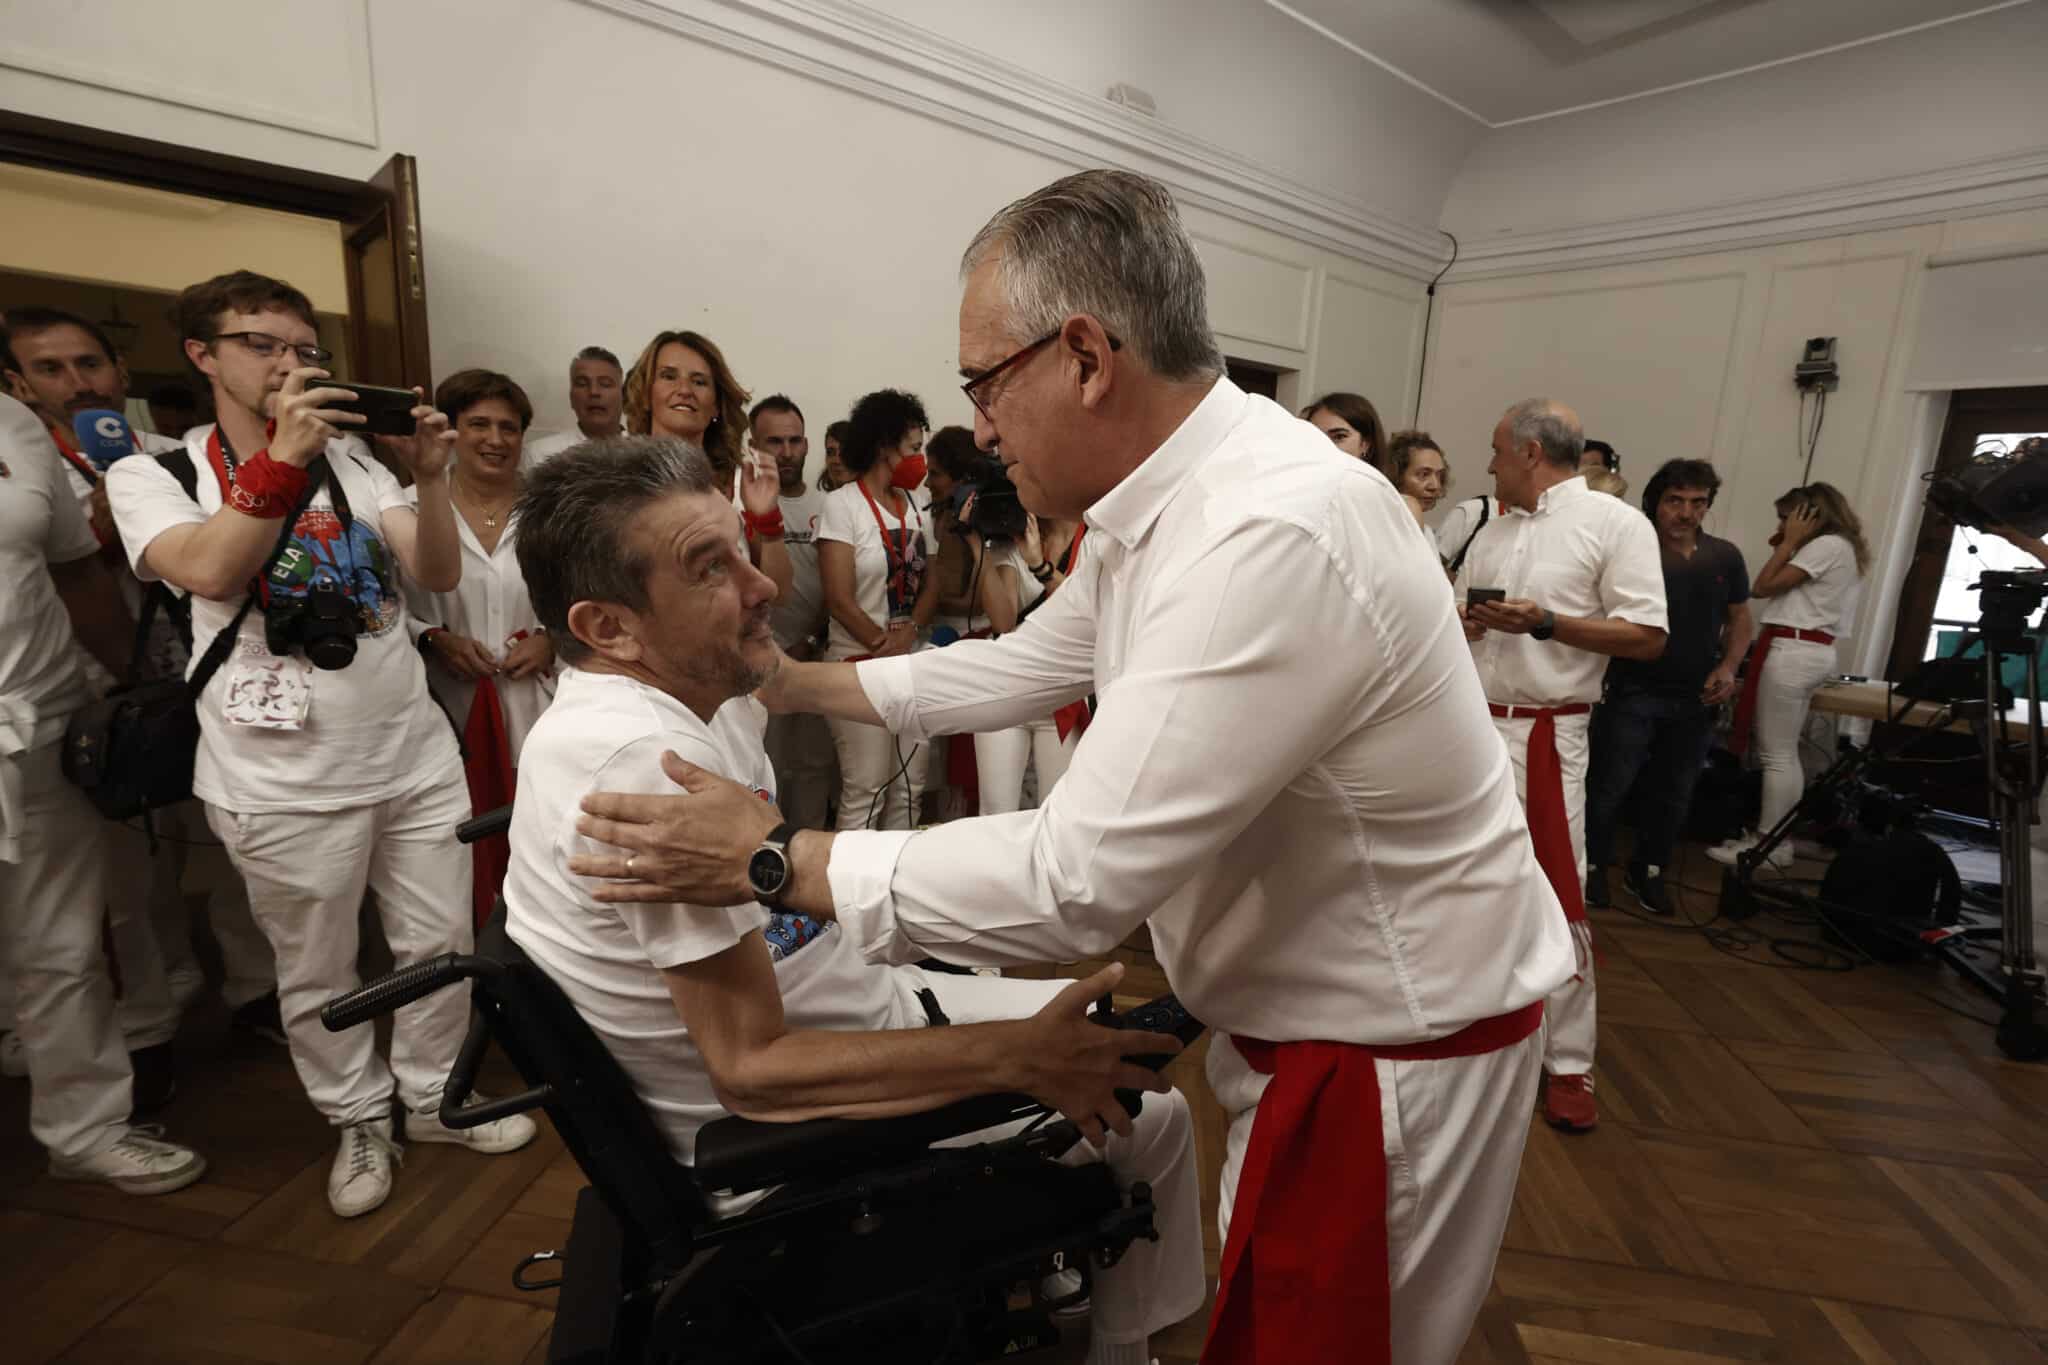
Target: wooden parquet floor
{"x": 1792, "y": 1166}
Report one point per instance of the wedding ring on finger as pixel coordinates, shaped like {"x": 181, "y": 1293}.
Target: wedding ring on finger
{"x": 629, "y": 865}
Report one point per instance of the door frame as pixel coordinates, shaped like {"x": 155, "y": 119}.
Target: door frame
{"x": 105, "y": 155}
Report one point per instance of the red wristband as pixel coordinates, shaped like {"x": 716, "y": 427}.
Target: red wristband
{"x": 266, "y": 488}
{"x": 769, "y": 527}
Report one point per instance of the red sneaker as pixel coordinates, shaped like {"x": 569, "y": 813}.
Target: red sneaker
{"x": 1568, "y": 1103}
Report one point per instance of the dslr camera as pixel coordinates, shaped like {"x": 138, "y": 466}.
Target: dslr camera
{"x": 322, "y": 623}
{"x": 986, "y": 502}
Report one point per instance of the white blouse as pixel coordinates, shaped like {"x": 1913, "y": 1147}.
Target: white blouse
{"x": 489, "y": 605}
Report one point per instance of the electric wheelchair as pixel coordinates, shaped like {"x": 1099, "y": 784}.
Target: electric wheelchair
{"x": 872, "y": 1246}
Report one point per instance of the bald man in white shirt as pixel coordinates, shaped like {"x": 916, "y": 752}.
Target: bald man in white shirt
{"x": 1289, "y": 776}
{"x": 1575, "y": 578}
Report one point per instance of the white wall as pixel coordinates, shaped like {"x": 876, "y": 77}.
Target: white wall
{"x": 1693, "y": 358}
{"x": 1933, "y": 101}
{"x": 1241, "y": 76}
{"x": 589, "y": 177}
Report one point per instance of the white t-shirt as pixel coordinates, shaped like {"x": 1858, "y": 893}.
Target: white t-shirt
{"x": 885, "y": 586}
{"x": 802, "y": 608}
{"x": 1029, "y": 589}
{"x": 40, "y": 525}
{"x": 370, "y": 731}
{"x": 1456, "y": 525}
{"x": 1580, "y": 554}
{"x": 1828, "y": 596}
{"x": 538, "y": 450}
{"x": 607, "y": 733}
{"x": 491, "y": 605}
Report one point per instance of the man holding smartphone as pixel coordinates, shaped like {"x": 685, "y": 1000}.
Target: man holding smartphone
{"x": 1562, "y": 580}
{"x": 324, "y": 780}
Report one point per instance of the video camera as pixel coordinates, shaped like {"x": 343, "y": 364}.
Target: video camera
{"x": 986, "y": 501}
{"x": 1997, "y": 489}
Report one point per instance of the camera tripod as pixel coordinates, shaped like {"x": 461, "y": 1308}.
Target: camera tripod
{"x": 2013, "y": 770}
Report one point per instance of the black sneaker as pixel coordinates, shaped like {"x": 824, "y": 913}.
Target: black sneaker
{"x": 1646, "y": 884}
{"x": 156, "y": 1078}
{"x": 260, "y": 1017}
{"x": 1596, "y": 889}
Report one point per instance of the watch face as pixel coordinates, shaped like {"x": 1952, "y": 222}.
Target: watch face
{"x": 767, "y": 870}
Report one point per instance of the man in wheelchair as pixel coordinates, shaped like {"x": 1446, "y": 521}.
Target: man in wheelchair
{"x": 636, "y": 566}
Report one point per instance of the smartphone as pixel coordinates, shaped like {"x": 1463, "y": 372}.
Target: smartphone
{"x": 389, "y": 410}
{"x": 1478, "y": 596}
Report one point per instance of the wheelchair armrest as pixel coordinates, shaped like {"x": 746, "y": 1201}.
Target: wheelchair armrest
{"x": 744, "y": 1154}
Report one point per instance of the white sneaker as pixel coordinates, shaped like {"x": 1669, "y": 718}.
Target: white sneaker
{"x": 360, "y": 1178}
{"x": 13, "y": 1056}
{"x": 496, "y": 1137}
{"x": 1729, "y": 853}
{"x": 136, "y": 1163}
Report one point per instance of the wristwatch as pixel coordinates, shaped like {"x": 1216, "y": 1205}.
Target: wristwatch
{"x": 769, "y": 870}
{"x": 1545, "y": 628}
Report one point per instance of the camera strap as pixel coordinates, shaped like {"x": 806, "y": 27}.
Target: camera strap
{"x": 317, "y": 473}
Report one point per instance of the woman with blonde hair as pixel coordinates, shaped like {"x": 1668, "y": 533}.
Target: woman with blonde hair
{"x": 1818, "y": 559}
{"x": 681, "y": 387}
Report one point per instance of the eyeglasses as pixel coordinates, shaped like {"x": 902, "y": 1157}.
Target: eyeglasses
{"x": 266, "y": 347}
{"x": 977, "y": 389}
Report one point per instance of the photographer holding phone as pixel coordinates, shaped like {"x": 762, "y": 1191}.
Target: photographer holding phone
{"x": 323, "y": 762}
{"x": 1563, "y": 579}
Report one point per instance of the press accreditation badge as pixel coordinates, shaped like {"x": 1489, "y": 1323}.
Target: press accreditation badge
{"x": 267, "y": 692}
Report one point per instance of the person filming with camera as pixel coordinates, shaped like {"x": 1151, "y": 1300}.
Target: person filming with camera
{"x": 323, "y": 763}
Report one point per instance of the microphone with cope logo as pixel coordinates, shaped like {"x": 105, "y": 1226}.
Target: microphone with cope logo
{"x": 103, "y": 436}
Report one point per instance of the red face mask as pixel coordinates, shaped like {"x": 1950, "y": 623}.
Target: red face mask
{"x": 909, "y": 473}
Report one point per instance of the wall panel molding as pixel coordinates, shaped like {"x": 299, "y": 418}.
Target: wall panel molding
{"x": 848, "y": 45}
{"x": 342, "y": 107}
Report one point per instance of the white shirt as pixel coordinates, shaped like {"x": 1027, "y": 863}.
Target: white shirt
{"x": 1579, "y": 554}
{"x": 1029, "y": 589}
{"x": 371, "y": 731}
{"x": 491, "y": 605}
{"x": 1307, "y": 804}
{"x": 607, "y": 733}
{"x": 539, "y": 450}
{"x": 1826, "y": 598}
{"x": 800, "y": 611}
{"x": 848, "y": 518}
{"x": 40, "y": 524}
{"x": 1458, "y": 523}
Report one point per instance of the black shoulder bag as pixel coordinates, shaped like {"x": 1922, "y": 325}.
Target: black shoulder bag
{"x": 132, "y": 751}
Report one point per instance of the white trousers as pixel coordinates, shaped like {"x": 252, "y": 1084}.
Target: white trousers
{"x": 870, "y": 760}
{"x": 51, "y": 904}
{"x": 248, "y": 970}
{"x": 1155, "y": 1284}
{"x": 806, "y": 769}
{"x": 1570, "y": 1022}
{"x": 1453, "y": 1132}
{"x": 1792, "y": 670}
{"x": 999, "y": 760}
{"x": 306, "y": 873}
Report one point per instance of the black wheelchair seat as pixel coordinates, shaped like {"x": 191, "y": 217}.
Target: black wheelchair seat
{"x": 873, "y": 1245}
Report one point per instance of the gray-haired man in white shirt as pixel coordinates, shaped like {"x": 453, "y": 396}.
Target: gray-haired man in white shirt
{"x": 1574, "y": 578}
{"x": 1289, "y": 776}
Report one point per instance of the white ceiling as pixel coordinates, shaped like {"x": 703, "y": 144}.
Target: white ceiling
{"x": 1511, "y": 61}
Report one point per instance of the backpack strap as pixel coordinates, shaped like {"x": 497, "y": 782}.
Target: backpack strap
{"x": 1485, "y": 511}
{"x": 179, "y": 462}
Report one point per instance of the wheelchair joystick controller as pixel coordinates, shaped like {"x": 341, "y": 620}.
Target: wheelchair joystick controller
{"x": 1164, "y": 1015}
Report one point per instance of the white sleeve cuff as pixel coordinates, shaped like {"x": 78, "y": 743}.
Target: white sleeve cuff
{"x": 887, "y": 683}
{"x": 859, "y": 872}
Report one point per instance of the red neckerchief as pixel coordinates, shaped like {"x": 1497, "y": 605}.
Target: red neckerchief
{"x": 1073, "y": 549}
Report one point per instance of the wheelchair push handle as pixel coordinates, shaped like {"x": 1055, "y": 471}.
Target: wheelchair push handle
{"x": 399, "y": 988}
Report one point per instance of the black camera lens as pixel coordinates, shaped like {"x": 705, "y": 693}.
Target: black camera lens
{"x": 327, "y": 627}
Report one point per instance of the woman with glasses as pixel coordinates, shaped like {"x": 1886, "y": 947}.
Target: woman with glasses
{"x": 874, "y": 547}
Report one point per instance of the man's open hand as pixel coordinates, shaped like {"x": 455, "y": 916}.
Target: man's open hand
{"x": 692, "y": 848}
{"x": 1514, "y": 616}
{"x": 1076, "y": 1065}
